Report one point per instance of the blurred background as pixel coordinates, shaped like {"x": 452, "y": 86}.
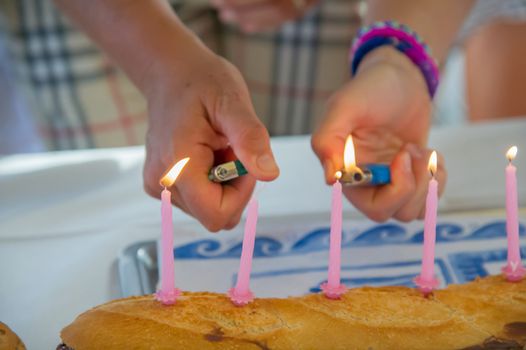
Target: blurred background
{"x": 58, "y": 91}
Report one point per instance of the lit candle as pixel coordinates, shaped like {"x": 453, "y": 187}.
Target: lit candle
{"x": 168, "y": 294}
{"x": 426, "y": 281}
{"x": 241, "y": 293}
{"x": 333, "y": 288}
{"x": 514, "y": 270}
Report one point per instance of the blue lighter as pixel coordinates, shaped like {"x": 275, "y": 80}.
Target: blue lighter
{"x": 372, "y": 174}
{"x": 366, "y": 175}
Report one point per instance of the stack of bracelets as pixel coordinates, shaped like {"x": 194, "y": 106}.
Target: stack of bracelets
{"x": 402, "y": 38}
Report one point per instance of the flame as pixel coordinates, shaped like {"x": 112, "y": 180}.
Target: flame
{"x": 512, "y": 153}
{"x": 349, "y": 159}
{"x": 172, "y": 174}
{"x": 338, "y": 175}
{"x": 432, "y": 164}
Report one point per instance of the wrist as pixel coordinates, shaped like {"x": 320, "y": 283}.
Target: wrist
{"x": 405, "y": 40}
{"x": 172, "y": 67}
{"x": 388, "y": 55}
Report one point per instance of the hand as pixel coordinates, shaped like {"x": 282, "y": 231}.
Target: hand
{"x": 260, "y": 15}
{"x": 387, "y": 109}
{"x": 199, "y": 107}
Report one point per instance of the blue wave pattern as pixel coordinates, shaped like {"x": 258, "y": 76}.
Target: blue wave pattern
{"x": 318, "y": 240}
{"x": 391, "y": 274}
{"x": 469, "y": 265}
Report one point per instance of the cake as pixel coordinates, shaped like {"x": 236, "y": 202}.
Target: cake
{"x": 488, "y": 313}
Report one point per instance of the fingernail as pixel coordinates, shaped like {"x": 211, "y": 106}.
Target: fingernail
{"x": 267, "y": 164}
{"x": 406, "y": 162}
{"x": 414, "y": 150}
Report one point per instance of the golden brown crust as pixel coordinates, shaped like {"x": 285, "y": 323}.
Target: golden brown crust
{"x": 9, "y": 340}
{"x": 460, "y": 316}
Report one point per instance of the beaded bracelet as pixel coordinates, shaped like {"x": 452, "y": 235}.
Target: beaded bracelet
{"x": 404, "y": 40}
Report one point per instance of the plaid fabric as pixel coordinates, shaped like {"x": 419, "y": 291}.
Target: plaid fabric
{"x": 82, "y": 100}
{"x": 79, "y": 97}
{"x": 292, "y": 72}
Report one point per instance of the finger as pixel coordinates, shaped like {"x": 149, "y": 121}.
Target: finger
{"x": 175, "y": 198}
{"x": 168, "y": 142}
{"x": 153, "y": 168}
{"x": 328, "y": 140}
{"x": 224, "y": 155}
{"x": 216, "y": 206}
{"x": 415, "y": 208}
{"x": 380, "y": 203}
{"x": 193, "y": 193}
{"x": 234, "y": 221}
{"x": 249, "y": 139}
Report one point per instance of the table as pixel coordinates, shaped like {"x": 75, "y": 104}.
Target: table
{"x": 66, "y": 216}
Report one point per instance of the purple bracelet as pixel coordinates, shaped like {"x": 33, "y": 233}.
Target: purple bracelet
{"x": 404, "y": 40}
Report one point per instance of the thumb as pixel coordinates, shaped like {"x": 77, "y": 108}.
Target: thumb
{"x": 248, "y": 137}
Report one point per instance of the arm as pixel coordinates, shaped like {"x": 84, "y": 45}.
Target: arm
{"x": 436, "y": 21}
{"x": 198, "y": 105}
{"x": 134, "y": 33}
{"x": 387, "y": 108}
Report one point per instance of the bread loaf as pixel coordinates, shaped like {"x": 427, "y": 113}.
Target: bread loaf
{"x": 489, "y": 313}
{"x": 9, "y": 340}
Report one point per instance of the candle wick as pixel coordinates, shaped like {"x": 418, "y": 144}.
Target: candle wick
{"x": 432, "y": 173}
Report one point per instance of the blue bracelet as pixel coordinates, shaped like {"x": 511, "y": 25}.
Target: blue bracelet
{"x": 403, "y": 39}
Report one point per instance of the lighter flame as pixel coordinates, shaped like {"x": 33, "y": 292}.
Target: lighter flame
{"x": 512, "y": 153}
{"x": 349, "y": 159}
{"x": 170, "y": 177}
{"x": 432, "y": 165}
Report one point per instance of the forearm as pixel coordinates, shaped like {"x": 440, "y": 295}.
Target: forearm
{"x": 140, "y": 36}
{"x": 436, "y": 21}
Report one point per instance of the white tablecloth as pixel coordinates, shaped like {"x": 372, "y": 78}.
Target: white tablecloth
{"x": 65, "y": 217}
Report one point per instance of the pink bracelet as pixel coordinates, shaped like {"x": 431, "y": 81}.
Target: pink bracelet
{"x": 404, "y": 40}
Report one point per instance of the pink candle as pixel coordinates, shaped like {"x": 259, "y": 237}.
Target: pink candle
{"x": 333, "y": 289}
{"x": 241, "y": 294}
{"x": 426, "y": 281}
{"x": 514, "y": 270}
{"x": 168, "y": 294}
